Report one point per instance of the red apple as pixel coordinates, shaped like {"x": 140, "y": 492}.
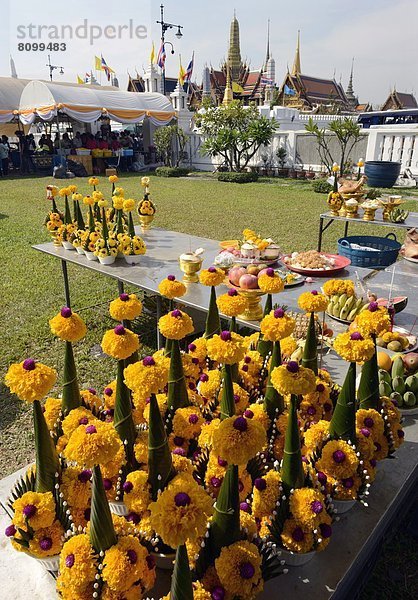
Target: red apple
{"x": 235, "y": 273}
{"x": 263, "y": 271}
{"x": 248, "y": 282}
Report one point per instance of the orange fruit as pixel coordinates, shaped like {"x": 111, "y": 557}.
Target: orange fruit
{"x": 384, "y": 361}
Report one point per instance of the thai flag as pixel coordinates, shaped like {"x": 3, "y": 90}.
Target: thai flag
{"x": 86, "y": 77}
{"x": 189, "y": 71}
{"x": 161, "y": 57}
{"x": 105, "y": 68}
{"x": 266, "y": 81}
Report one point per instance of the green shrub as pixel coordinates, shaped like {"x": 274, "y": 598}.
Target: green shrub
{"x": 233, "y": 177}
{"x": 321, "y": 186}
{"x": 172, "y": 171}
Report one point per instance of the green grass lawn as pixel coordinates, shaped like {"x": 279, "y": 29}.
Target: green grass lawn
{"x": 31, "y": 288}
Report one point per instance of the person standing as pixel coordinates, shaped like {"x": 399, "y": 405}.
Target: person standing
{"x": 4, "y": 155}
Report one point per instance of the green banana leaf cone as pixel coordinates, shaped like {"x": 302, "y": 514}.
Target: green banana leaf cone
{"x": 177, "y": 396}
{"x": 80, "y": 218}
{"x": 273, "y": 401}
{"x": 70, "y": 391}
{"x": 131, "y": 228}
{"x": 105, "y": 230}
{"x": 268, "y": 307}
{"x": 123, "y": 421}
{"x": 67, "y": 212}
{"x": 310, "y": 351}
{"x": 368, "y": 391}
{"x": 160, "y": 465}
{"x": 343, "y": 422}
{"x": 102, "y": 532}
{"x": 264, "y": 347}
{"x": 181, "y": 580}
{"x": 227, "y": 404}
{"x": 292, "y": 467}
{"x": 213, "y": 322}
{"x": 47, "y": 462}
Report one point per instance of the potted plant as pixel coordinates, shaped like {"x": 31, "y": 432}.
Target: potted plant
{"x": 310, "y": 173}
{"x": 265, "y": 159}
{"x": 281, "y": 155}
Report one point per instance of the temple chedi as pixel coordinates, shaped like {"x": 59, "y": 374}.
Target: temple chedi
{"x": 234, "y": 53}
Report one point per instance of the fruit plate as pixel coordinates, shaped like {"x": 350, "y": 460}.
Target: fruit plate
{"x": 298, "y": 279}
{"x": 410, "y": 259}
{"x": 409, "y": 411}
{"x": 243, "y": 261}
{"x": 341, "y": 262}
{"x": 338, "y": 319}
{"x": 409, "y": 336}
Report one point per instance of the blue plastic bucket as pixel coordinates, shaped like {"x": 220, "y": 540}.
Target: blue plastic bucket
{"x": 382, "y": 173}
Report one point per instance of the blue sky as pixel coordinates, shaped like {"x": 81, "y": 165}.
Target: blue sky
{"x": 380, "y": 34}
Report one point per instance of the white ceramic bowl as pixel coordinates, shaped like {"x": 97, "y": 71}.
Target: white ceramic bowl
{"x": 107, "y": 260}
{"x": 294, "y": 559}
{"x": 132, "y": 259}
{"x": 80, "y": 249}
{"x": 90, "y": 255}
{"x": 51, "y": 563}
{"x": 118, "y": 508}
{"x": 164, "y": 561}
{"x": 67, "y": 245}
{"x": 343, "y": 506}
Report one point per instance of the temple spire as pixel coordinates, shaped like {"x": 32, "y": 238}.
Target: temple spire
{"x": 268, "y": 45}
{"x": 296, "y": 70}
{"x": 228, "y": 94}
{"x": 234, "y": 62}
{"x": 350, "y": 91}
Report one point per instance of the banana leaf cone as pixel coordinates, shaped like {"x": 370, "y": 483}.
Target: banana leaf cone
{"x": 213, "y": 322}
{"x": 268, "y": 307}
{"x": 102, "y": 532}
{"x": 92, "y": 224}
{"x": 47, "y": 462}
{"x": 80, "y": 218}
{"x": 227, "y": 404}
{"x": 181, "y": 580}
{"x": 70, "y": 391}
{"x": 67, "y": 212}
{"x": 122, "y": 420}
{"x": 310, "y": 351}
{"x": 160, "y": 465}
{"x": 292, "y": 468}
{"x": 272, "y": 399}
{"x": 119, "y": 222}
{"x": 233, "y": 325}
{"x": 131, "y": 227}
{"x": 264, "y": 347}
{"x": 368, "y": 390}
{"x": 335, "y": 185}
{"x": 105, "y": 230}
{"x": 177, "y": 396}
{"x": 343, "y": 422}
{"x": 97, "y": 213}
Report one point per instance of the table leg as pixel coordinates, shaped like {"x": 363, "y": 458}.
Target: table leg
{"x": 160, "y": 340}
{"x": 66, "y": 284}
{"x": 321, "y": 223}
{"x": 346, "y": 229}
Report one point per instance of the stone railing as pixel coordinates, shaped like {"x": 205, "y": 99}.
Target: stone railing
{"x": 396, "y": 143}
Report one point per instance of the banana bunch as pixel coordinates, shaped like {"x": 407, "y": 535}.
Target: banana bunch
{"x": 398, "y": 215}
{"x": 344, "y": 307}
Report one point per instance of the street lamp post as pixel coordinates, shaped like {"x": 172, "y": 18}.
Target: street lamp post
{"x": 164, "y": 27}
{"x": 52, "y": 67}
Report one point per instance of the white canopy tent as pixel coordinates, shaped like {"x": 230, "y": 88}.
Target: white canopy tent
{"x": 10, "y": 92}
{"x": 86, "y": 104}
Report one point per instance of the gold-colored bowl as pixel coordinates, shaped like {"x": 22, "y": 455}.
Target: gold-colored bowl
{"x": 145, "y": 221}
{"x": 254, "y": 310}
{"x": 369, "y": 213}
{"x": 190, "y": 268}
{"x": 354, "y": 196}
{"x": 389, "y": 205}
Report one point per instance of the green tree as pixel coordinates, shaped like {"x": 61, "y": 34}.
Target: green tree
{"x": 347, "y": 134}
{"x": 235, "y": 132}
{"x": 170, "y": 142}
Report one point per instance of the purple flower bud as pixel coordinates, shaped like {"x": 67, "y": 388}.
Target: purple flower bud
{"x": 91, "y": 429}
{"x": 225, "y": 336}
{"x": 10, "y": 531}
{"x": 365, "y": 432}
{"x": 150, "y": 560}
{"x": 248, "y": 414}
{"x": 132, "y": 556}
{"x": 176, "y": 313}
{"x": 240, "y": 486}
{"x": 401, "y": 433}
{"x": 311, "y": 410}
{"x": 356, "y": 335}
{"x": 260, "y": 484}
{"x": 373, "y": 462}
{"x": 279, "y": 313}
{"x": 45, "y": 543}
{"x": 377, "y": 446}
{"x": 84, "y": 476}
{"x": 326, "y": 530}
{"x": 83, "y": 421}
{"x": 298, "y": 535}
{"x": 246, "y": 570}
{"x": 244, "y": 368}
{"x": 92, "y": 391}
{"x": 148, "y": 361}
{"x": 338, "y": 456}
{"x": 133, "y": 517}
{"x": 320, "y": 388}
{"x": 212, "y": 269}
{"x": 215, "y": 482}
{"x": 240, "y": 424}
{"x": 29, "y": 364}
{"x": 69, "y": 560}
{"x": 178, "y": 441}
{"x": 314, "y": 292}
{"x": 292, "y": 366}
{"x": 270, "y": 272}
{"x": 87, "y": 514}
{"x": 171, "y": 278}
{"x": 204, "y": 377}
{"x": 373, "y": 306}
{"x": 119, "y": 330}
{"x": 195, "y": 360}
{"x": 29, "y": 510}
{"x": 368, "y": 421}
{"x": 179, "y": 451}
{"x": 108, "y": 391}
{"x": 218, "y": 593}
{"x": 305, "y": 460}
{"x": 322, "y": 478}
{"x": 348, "y": 483}
{"x": 66, "y": 312}
{"x": 236, "y": 398}
{"x": 193, "y": 419}
{"x": 247, "y": 359}
{"x": 191, "y": 347}
{"x": 124, "y": 297}
{"x": 317, "y": 507}
{"x": 327, "y": 407}
{"x": 222, "y": 462}
{"x": 244, "y": 506}
{"x": 128, "y": 487}
{"x": 107, "y": 484}
{"x": 192, "y": 386}
{"x": 232, "y": 292}
{"x": 182, "y": 499}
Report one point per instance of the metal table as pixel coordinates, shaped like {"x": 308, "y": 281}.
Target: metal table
{"x": 412, "y": 221}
